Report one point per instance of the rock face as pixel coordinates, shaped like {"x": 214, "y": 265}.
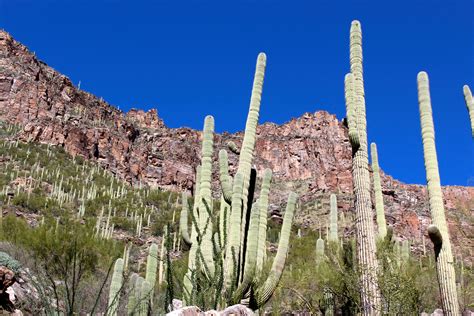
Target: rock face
{"x": 310, "y": 155}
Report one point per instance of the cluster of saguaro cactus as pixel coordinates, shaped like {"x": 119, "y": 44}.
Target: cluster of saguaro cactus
{"x": 470, "y": 106}
{"x": 233, "y": 257}
{"x": 379, "y": 208}
{"x": 355, "y": 107}
{"x": 438, "y": 231}
{"x": 141, "y": 290}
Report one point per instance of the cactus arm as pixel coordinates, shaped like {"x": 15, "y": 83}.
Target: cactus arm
{"x": 469, "y": 105}
{"x": 246, "y": 217}
{"x": 233, "y": 243}
{"x": 264, "y": 292}
{"x": 152, "y": 264}
{"x": 162, "y": 254}
{"x": 146, "y": 296}
{"x": 223, "y": 223}
{"x": 444, "y": 261}
{"x": 251, "y": 254}
{"x": 233, "y": 147}
{"x": 365, "y": 233}
{"x": 205, "y": 187}
{"x": 115, "y": 287}
{"x": 187, "y": 284}
{"x": 379, "y": 207}
{"x": 351, "y": 110}
{"x": 262, "y": 230}
{"x": 224, "y": 177}
{"x": 248, "y": 143}
{"x": 183, "y": 219}
{"x": 132, "y": 302}
{"x": 333, "y": 218}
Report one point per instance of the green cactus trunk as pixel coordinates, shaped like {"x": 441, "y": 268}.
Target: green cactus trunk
{"x": 333, "y": 219}
{"x": 183, "y": 219}
{"x": 248, "y": 143}
{"x": 439, "y": 233}
{"x": 151, "y": 266}
{"x": 379, "y": 207}
{"x": 187, "y": 284}
{"x": 115, "y": 287}
{"x": 262, "y": 230}
{"x": 206, "y": 194}
{"x": 264, "y": 292}
{"x": 366, "y": 248}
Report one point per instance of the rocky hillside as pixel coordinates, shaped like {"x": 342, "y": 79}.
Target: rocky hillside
{"x": 310, "y": 154}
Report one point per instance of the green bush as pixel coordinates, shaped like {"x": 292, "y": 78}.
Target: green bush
{"x": 9, "y": 262}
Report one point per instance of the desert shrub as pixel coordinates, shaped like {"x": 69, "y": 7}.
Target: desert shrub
{"x": 68, "y": 253}
{"x": 9, "y": 262}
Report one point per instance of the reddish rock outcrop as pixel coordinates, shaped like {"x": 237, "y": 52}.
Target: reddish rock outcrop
{"x": 310, "y": 154}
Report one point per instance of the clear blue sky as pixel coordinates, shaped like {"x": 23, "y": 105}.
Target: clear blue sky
{"x": 193, "y": 58}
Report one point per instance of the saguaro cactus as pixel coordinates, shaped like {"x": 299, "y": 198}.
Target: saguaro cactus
{"x": 469, "y": 105}
{"x": 115, "y": 286}
{"x": 151, "y": 265}
{"x": 355, "y": 106}
{"x": 438, "y": 233}
{"x": 319, "y": 249}
{"x": 333, "y": 218}
{"x": 239, "y": 247}
{"x": 379, "y": 208}
{"x": 205, "y": 192}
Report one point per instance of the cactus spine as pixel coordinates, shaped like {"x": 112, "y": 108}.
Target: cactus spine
{"x": 115, "y": 287}
{"x": 379, "y": 208}
{"x": 355, "y": 105}
{"x": 333, "y": 218}
{"x": 438, "y": 233}
{"x": 469, "y": 105}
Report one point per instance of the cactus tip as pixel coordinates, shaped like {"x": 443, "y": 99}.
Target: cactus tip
{"x": 422, "y": 75}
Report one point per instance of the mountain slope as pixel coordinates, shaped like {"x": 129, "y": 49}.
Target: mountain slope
{"x": 310, "y": 154}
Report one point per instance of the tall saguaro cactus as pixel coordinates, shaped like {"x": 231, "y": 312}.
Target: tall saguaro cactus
{"x": 438, "y": 232}
{"x": 232, "y": 260}
{"x": 379, "y": 208}
{"x": 469, "y": 105}
{"x": 205, "y": 192}
{"x": 355, "y": 106}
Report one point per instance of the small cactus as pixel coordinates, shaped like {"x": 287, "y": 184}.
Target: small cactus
{"x": 333, "y": 219}
{"x": 319, "y": 250}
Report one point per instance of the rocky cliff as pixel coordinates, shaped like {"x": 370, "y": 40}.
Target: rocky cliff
{"x": 310, "y": 154}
